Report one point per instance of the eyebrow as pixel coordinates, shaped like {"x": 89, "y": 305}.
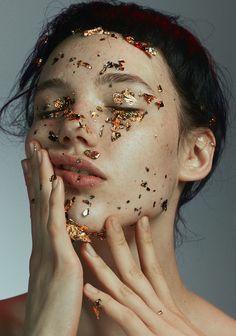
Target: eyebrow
{"x": 120, "y": 78}
{"x": 58, "y": 83}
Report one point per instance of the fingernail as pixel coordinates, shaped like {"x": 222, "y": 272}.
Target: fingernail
{"x": 90, "y": 288}
{"x": 90, "y": 250}
{"x": 145, "y": 223}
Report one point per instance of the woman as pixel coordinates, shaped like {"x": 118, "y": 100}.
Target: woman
{"x": 125, "y": 121}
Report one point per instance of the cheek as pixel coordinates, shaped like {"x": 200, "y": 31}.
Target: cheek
{"x": 43, "y": 132}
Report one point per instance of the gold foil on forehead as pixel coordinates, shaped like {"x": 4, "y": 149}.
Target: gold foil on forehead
{"x": 94, "y": 31}
{"x": 144, "y": 46}
{"x": 118, "y": 66}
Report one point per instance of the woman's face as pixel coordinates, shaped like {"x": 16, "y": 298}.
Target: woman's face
{"x": 104, "y": 117}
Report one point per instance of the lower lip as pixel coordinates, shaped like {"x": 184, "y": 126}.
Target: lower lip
{"x": 78, "y": 181}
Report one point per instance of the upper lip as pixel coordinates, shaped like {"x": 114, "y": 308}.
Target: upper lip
{"x": 59, "y": 160}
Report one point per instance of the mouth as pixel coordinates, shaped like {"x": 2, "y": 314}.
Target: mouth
{"x": 76, "y": 174}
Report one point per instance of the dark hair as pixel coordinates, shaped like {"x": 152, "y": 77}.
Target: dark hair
{"x": 194, "y": 73}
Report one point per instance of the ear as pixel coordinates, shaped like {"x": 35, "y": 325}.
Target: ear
{"x": 196, "y": 152}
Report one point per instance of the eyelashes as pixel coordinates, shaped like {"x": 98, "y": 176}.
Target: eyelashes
{"x": 60, "y": 114}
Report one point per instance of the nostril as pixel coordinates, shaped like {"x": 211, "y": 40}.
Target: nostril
{"x": 81, "y": 139}
{"x": 66, "y": 139}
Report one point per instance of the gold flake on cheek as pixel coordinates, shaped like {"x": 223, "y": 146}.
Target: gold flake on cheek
{"x": 52, "y": 136}
{"x": 118, "y": 66}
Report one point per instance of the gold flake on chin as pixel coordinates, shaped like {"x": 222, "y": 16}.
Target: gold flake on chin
{"x": 118, "y": 66}
{"x": 92, "y": 154}
{"x": 145, "y": 47}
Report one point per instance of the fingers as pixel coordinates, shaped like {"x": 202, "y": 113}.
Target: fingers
{"x": 125, "y": 317}
{"x": 119, "y": 291}
{"x": 150, "y": 264}
{"x": 126, "y": 265}
{"x": 57, "y": 225}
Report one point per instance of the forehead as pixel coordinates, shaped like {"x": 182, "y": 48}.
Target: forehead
{"x": 96, "y": 51}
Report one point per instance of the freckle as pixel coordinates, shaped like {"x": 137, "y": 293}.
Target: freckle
{"x": 154, "y": 204}
{"x": 62, "y": 55}
{"x": 73, "y": 72}
{"x": 128, "y": 201}
{"x": 110, "y": 85}
{"x": 45, "y": 125}
{"x": 154, "y": 190}
{"x": 35, "y": 132}
{"x": 139, "y": 213}
{"x": 154, "y": 174}
{"x": 139, "y": 196}
{"x": 119, "y": 208}
{"x": 147, "y": 169}
{"x": 91, "y": 196}
{"x": 148, "y": 189}
{"x": 98, "y": 55}
{"x": 63, "y": 153}
{"x": 165, "y": 176}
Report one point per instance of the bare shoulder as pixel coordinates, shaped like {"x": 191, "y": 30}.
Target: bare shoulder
{"x": 12, "y": 312}
{"x": 210, "y": 319}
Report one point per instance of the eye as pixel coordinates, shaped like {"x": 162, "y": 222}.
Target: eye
{"x": 54, "y": 114}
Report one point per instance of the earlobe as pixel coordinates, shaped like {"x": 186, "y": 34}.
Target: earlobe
{"x": 196, "y": 154}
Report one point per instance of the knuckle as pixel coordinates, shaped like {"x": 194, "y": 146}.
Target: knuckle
{"x": 128, "y": 315}
{"x": 135, "y": 272}
{"x": 125, "y": 291}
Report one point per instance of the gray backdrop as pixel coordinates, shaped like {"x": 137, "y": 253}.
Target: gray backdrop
{"x": 208, "y": 264}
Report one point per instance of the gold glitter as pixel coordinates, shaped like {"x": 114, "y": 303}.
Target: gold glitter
{"x": 148, "y": 97}
{"x": 92, "y": 154}
{"x": 115, "y": 136}
{"x": 77, "y": 232}
{"x": 99, "y": 109}
{"x": 94, "y": 114}
{"x": 85, "y": 212}
{"x": 159, "y": 88}
{"x": 52, "y": 136}
{"x": 159, "y": 104}
{"x": 94, "y": 31}
{"x": 96, "y": 308}
{"x": 118, "y": 66}
{"x": 84, "y": 64}
{"x": 39, "y": 62}
{"x": 125, "y": 96}
{"x": 149, "y": 50}
{"x": 101, "y": 131}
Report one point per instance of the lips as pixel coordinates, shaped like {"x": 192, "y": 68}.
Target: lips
{"x": 76, "y": 174}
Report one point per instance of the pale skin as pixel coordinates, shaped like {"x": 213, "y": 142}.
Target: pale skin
{"x": 134, "y": 271}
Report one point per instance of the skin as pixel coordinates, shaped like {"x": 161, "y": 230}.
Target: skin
{"x": 135, "y": 270}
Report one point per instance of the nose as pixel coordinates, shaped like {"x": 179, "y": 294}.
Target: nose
{"x": 74, "y": 131}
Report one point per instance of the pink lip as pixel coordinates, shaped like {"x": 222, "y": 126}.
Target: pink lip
{"x": 74, "y": 179}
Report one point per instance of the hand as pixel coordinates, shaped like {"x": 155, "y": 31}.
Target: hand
{"x": 56, "y": 277}
{"x": 140, "y": 302}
